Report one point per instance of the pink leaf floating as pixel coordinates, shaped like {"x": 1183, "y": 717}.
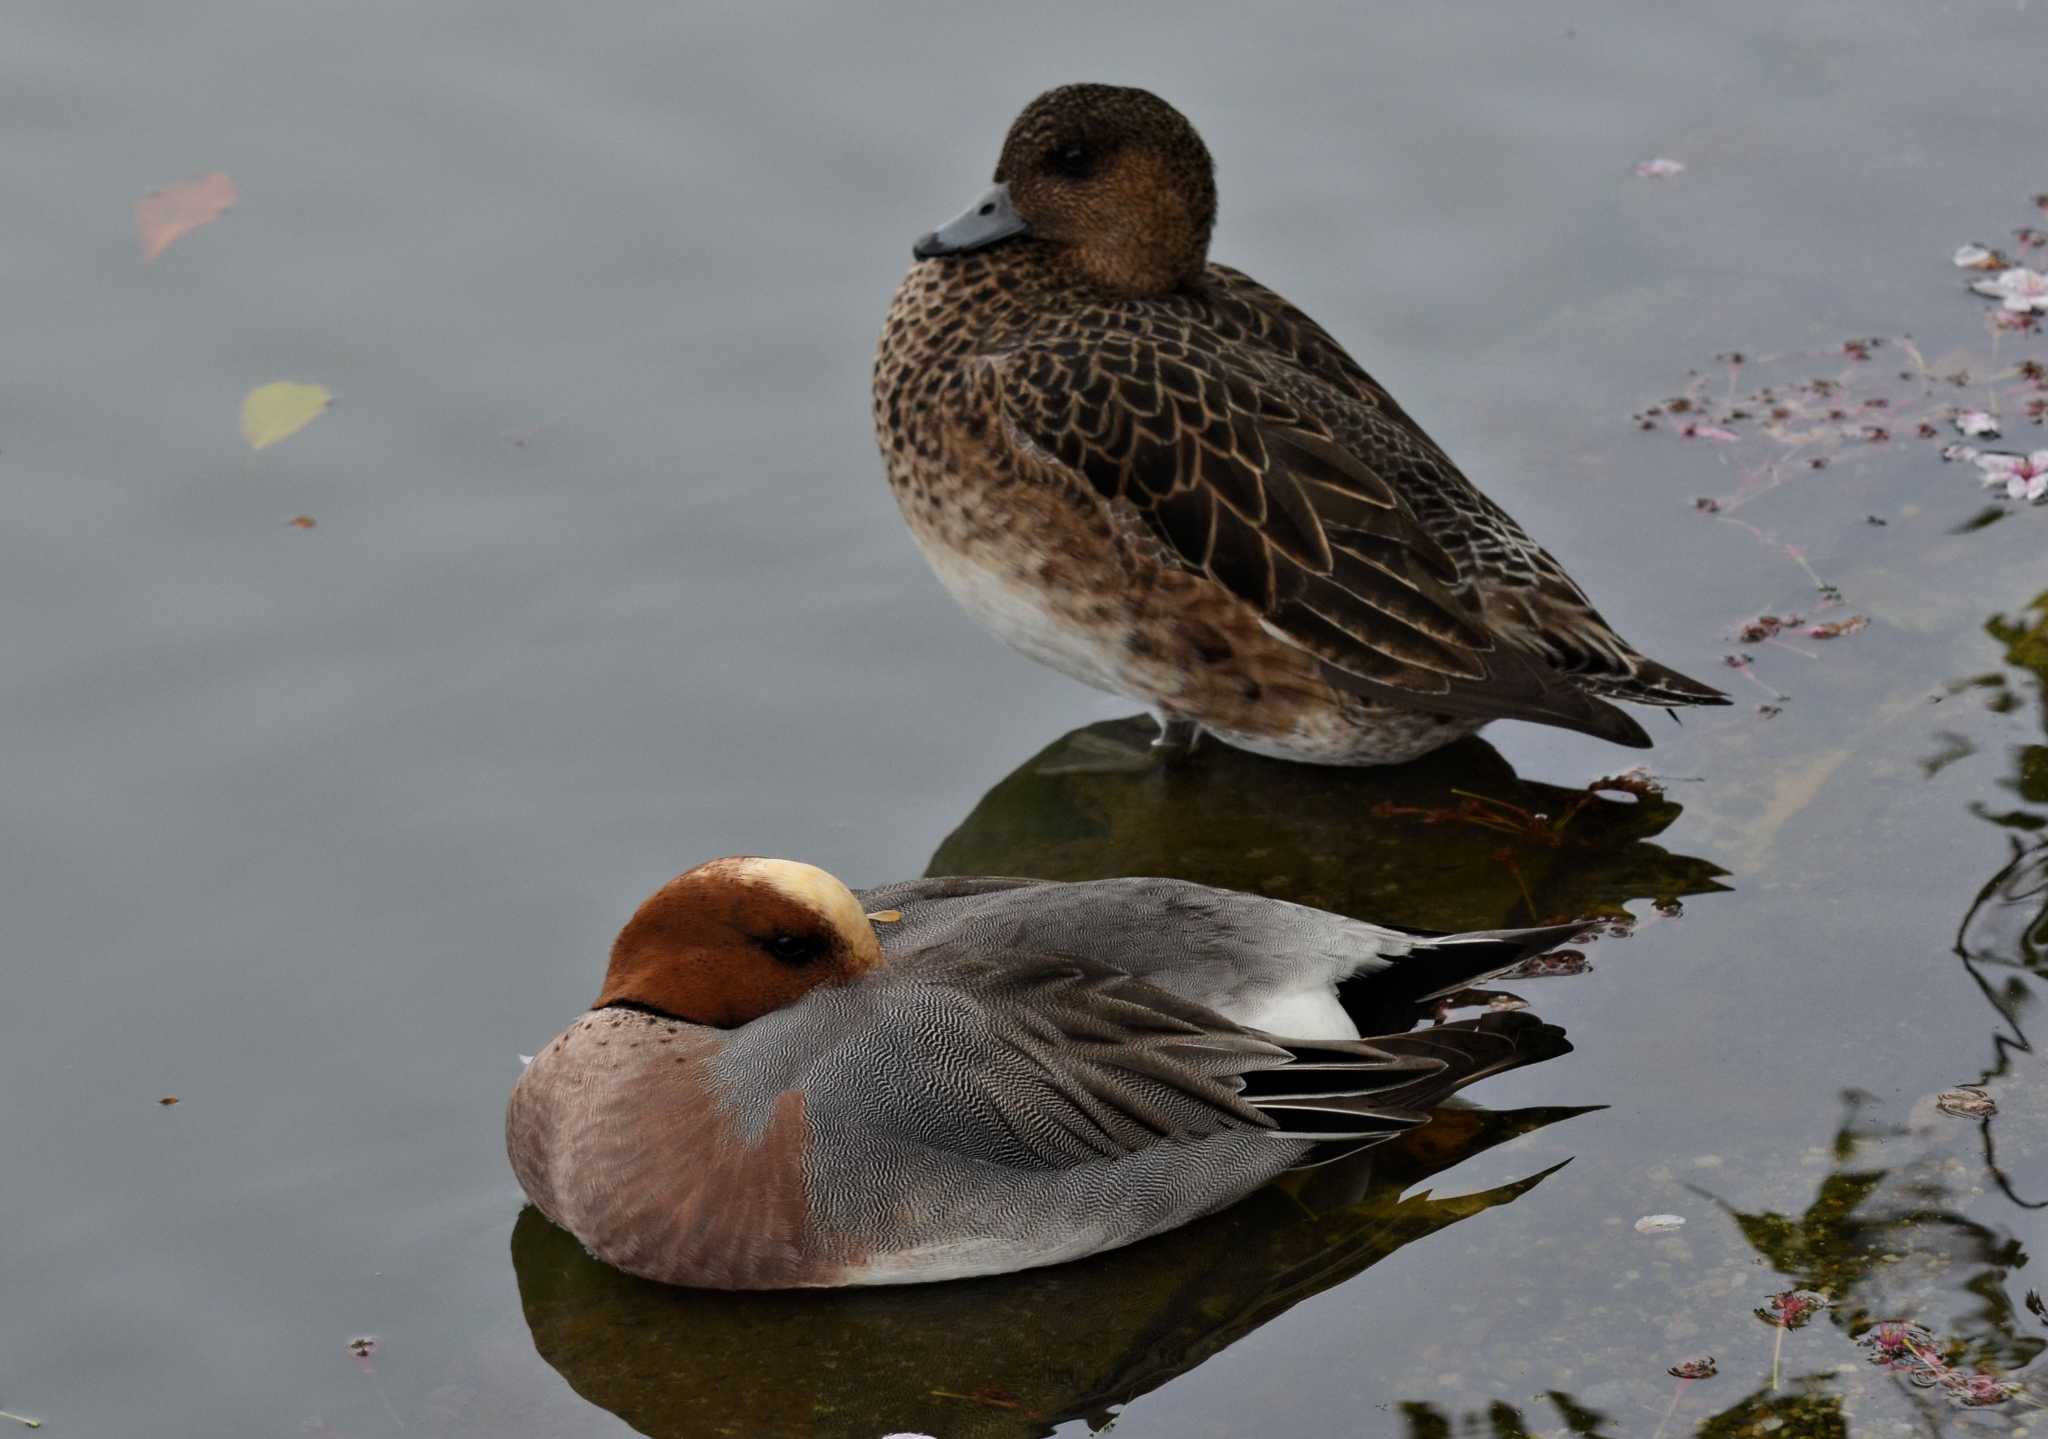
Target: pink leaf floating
{"x": 163, "y": 216}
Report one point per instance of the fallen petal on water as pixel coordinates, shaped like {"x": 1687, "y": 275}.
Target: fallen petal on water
{"x": 1791, "y": 1308}
{"x": 1659, "y": 1223}
{"x": 1660, "y": 168}
{"x": 1544, "y": 966}
{"x": 162, "y": 216}
{"x": 1966, "y": 1102}
{"x": 2019, "y": 289}
{"x": 1973, "y": 1391}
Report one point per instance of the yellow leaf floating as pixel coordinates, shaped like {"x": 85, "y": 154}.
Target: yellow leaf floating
{"x": 279, "y": 410}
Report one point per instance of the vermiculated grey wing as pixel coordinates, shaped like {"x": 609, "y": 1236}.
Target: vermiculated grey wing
{"x": 1232, "y": 952}
{"x": 1035, "y": 1061}
{"x": 988, "y": 1116}
{"x": 939, "y": 887}
{"x": 1046, "y": 1061}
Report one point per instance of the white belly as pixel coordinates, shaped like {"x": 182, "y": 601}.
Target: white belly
{"x": 1027, "y": 618}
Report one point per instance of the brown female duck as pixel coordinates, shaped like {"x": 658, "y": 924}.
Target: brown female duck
{"x": 1154, "y": 474}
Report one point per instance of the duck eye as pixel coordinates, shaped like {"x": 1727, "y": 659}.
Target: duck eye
{"x": 793, "y": 948}
{"x": 1071, "y": 162}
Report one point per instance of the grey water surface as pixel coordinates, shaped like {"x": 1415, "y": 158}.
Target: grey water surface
{"x": 317, "y": 830}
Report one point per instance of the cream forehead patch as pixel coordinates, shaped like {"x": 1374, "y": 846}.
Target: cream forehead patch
{"x": 807, "y": 885}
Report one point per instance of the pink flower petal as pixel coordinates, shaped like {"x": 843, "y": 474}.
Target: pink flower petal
{"x": 163, "y": 216}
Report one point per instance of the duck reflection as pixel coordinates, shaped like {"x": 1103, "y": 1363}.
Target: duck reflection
{"x": 1011, "y": 1355}
{"x": 1452, "y": 841}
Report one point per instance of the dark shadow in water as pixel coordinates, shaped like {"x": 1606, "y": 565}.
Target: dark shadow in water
{"x": 1452, "y": 841}
{"x": 1502, "y": 1420}
{"x": 1802, "y": 1409}
{"x": 2007, "y": 928}
{"x": 1012, "y": 1355}
{"x": 2003, "y": 938}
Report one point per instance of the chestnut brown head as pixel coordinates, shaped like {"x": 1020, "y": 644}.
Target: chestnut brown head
{"x": 731, "y": 940}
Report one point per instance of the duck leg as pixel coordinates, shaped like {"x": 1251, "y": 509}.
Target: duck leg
{"x": 1176, "y": 740}
{"x": 1122, "y": 748}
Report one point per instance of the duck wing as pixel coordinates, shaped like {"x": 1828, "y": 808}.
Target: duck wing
{"x": 1234, "y": 953}
{"x": 1238, "y": 465}
{"x": 1524, "y": 590}
{"x": 1048, "y": 1061}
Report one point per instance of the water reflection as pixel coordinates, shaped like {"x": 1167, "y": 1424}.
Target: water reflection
{"x": 2003, "y": 938}
{"x": 1804, "y": 1409}
{"x": 1503, "y": 1421}
{"x": 1453, "y": 841}
{"x": 1887, "y": 1233}
{"x": 1012, "y": 1355}
{"x": 1888, "y": 1236}
{"x": 1896, "y": 1228}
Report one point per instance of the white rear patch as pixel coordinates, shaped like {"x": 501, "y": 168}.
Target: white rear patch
{"x": 1304, "y": 1014}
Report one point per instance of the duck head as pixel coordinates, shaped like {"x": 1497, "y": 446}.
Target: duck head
{"x": 735, "y": 938}
{"x": 1115, "y": 179}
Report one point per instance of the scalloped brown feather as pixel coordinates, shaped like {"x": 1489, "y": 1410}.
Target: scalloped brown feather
{"x": 1246, "y": 481}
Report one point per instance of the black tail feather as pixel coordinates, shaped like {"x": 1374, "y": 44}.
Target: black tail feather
{"x": 1428, "y": 1066}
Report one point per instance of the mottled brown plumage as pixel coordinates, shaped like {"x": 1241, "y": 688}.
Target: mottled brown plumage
{"x": 1156, "y": 475}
